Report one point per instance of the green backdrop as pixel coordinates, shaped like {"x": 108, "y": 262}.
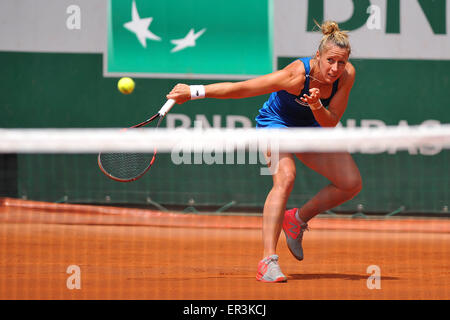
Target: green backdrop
{"x": 43, "y": 90}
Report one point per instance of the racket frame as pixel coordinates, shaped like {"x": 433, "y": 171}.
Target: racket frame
{"x": 160, "y": 115}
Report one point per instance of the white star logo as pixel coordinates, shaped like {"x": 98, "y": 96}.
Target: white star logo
{"x": 187, "y": 41}
{"x": 140, "y": 27}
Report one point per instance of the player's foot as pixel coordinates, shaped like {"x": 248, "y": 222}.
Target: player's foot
{"x": 293, "y": 229}
{"x": 269, "y": 270}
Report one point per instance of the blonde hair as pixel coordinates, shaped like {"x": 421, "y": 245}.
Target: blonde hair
{"x": 332, "y": 34}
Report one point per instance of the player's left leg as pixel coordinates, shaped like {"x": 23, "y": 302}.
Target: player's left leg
{"x": 341, "y": 170}
{"x": 346, "y": 183}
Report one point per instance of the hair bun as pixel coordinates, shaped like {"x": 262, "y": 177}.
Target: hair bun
{"x": 332, "y": 33}
{"x": 329, "y": 27}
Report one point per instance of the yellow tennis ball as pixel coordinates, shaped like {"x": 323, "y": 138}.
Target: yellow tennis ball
{"x": 125, "y": 85}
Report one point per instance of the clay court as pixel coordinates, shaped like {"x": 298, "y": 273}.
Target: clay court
{"x": 145, "y": 254}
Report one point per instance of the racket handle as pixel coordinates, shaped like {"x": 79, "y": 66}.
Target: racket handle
{"x": 166, "y": 107}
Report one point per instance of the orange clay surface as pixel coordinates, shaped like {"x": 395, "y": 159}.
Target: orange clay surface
{"x": 145, "y": 254}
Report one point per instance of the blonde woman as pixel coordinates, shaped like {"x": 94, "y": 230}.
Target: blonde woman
{"x": 309, "y": 92}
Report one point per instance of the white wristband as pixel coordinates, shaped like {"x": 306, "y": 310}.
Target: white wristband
{"x": 316, "y": 108}
{"x": 197, "y": 92}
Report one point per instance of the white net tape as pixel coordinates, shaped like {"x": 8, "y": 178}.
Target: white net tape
{"x": 167, "y": 140}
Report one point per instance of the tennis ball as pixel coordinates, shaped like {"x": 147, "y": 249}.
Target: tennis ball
{"x": 125, "y": 85}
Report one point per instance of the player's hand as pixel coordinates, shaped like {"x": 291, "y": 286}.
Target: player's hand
{"x": 313, "y": 98}
{"x": 180, "y": 93}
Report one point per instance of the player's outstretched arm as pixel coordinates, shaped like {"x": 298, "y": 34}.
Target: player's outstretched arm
{"x": 289, "y": 79}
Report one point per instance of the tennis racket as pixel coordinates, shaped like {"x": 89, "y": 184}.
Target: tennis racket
{"x": 127, "y": 167}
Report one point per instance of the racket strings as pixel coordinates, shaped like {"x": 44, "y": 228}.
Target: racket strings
{"x": 126, "y": 166}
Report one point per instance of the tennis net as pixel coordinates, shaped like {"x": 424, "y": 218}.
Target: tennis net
{"x": 404, "y": 169}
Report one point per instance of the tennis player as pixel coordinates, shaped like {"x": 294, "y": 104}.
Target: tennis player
{"x": 309, "y": 92}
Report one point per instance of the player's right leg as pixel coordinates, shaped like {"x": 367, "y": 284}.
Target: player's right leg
{"x": 273, "y": 214}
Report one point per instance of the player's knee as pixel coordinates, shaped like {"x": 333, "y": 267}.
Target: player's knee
{"x": 285, "y": 180}
{"x": 352, "y": 184}
{"x": 357, "y": 187}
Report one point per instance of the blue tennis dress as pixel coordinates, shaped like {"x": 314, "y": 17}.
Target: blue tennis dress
{"x": 284, "y": 110}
